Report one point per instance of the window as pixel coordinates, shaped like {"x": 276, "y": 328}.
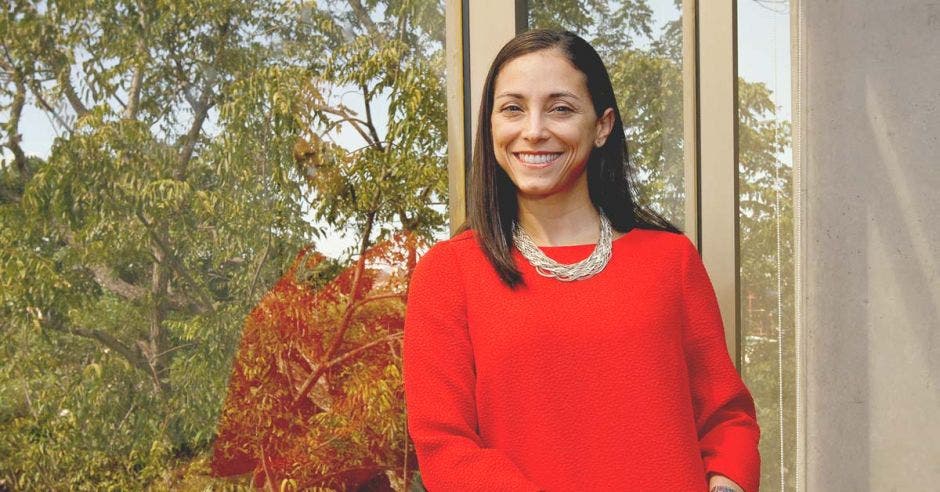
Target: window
{"x": 766, "y": 232}
{"x": 641, "y": 44}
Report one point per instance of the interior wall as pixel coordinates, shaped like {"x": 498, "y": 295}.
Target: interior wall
{"x": 871, "y": 235}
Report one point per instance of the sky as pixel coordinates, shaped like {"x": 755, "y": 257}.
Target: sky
{"x": 763, "y": 55}
{"x": 764, "y": 48}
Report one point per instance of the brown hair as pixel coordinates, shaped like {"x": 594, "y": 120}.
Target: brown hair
{"x": 492, "y": 206}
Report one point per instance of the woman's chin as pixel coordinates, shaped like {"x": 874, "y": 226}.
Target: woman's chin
{"x": 538, "y": 189}
{"x": 535, "y": 192}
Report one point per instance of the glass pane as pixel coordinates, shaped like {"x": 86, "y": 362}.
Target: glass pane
{"x": 641, "y": 44}
{"x": 766, "y": 231}
{"x": 191, "y": 186}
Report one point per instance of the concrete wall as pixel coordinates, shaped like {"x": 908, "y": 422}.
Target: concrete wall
{"x": 871, "y": 244}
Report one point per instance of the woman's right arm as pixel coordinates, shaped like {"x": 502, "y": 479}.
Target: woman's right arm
{"x": 439, "y": 383}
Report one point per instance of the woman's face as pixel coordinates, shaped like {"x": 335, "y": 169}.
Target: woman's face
{"x": 544, "y": 124}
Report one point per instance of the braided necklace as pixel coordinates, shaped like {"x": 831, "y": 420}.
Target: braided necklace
{"x": 583, "y": 269}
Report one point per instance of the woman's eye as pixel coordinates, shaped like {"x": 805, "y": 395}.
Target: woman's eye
{"x": 511, "y": 109}
{"x": 561, "y": 109}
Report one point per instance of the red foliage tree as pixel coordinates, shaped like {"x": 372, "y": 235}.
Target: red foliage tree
{"x": 315, "y": 395}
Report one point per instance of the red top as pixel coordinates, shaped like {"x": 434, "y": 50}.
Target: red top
{"x": 620, "y": 381}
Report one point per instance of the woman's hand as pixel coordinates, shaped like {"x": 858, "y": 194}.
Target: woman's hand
{"x": 721, "y": 483}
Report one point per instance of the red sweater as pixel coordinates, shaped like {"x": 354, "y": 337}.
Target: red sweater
{"x": 617, "y": 382}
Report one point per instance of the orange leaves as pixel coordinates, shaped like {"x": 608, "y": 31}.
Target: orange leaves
{"x": 306, "y": 405}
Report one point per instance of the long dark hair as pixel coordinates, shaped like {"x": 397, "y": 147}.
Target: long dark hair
{"x": 492, "y": 206}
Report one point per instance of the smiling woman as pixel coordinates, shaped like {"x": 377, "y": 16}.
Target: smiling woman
{"x": 568, "y": 338}
{"x": 562, "y": 71}
{"x": 544, "y": 128}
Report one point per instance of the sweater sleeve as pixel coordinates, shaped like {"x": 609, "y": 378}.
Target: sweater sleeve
{"x": 439, "y": 380}
{"x": 724, "y": 410}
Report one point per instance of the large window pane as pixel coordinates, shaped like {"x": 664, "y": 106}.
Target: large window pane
{"x": 766, "y": 231}
{"x": 641, "y": 44}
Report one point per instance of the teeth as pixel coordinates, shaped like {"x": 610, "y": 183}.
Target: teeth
{"x": 537, "y": 158}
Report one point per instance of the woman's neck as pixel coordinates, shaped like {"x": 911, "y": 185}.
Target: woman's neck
{"x": 560, "y": 219}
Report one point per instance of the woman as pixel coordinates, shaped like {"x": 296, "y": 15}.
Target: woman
{"x": 567, "y": 339}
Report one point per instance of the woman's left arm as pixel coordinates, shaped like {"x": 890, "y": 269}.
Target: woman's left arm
{"x": 724, "y": 409}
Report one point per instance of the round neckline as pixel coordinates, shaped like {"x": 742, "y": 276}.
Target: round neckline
{"x": 582, "y": 246}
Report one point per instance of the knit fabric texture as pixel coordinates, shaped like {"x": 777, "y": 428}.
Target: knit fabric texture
{"x": 617, "y": 382}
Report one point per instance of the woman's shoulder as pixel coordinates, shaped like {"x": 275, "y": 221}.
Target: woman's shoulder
{"x": 445, "y": 254}
{"x": 662, "y": 240}
{"x": 662, "y": 254}
{"x": 457, "y": 244}
{"x": 441, "y": 271}
{"x": 465, "y": 238}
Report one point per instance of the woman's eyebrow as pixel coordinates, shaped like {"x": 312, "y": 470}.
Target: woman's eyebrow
{"x": 563, "y": 94}
{"x": 553, "y": 95}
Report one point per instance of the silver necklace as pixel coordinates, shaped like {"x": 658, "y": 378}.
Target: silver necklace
{"x": 548, "y": 267}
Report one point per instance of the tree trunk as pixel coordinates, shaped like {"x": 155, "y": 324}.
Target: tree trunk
{"x": 156, "y": 339}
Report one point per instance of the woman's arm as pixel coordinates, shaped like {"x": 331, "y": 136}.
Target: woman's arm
{"x": 724, "y": 410}
{"x": 440, "y": 385}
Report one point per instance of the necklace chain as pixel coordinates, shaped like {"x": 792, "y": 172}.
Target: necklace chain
{"x": 583, "y": 269}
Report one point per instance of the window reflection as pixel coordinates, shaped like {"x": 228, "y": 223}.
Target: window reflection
{"x": 641, "y": 44}
{"x": 766, "y": 232}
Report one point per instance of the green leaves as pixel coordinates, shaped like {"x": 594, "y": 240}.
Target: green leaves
{"x": 198, "y": 139}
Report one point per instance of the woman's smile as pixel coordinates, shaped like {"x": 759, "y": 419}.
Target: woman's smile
{"x": 537, "y": 160}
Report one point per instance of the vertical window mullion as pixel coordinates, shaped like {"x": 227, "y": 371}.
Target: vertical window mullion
{"x": 457, "y": 141}
{"x": 690, "y": 122}
{"x": 492, "y": 24}
{"x": 475, "y": 32}
{"x": 718, "y": 203}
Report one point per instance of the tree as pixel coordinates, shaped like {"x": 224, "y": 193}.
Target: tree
{"x": 196, "y": 142}
{"x": 295, "y": 415}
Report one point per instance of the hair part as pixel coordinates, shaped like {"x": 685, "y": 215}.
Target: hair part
{"x": 492, "y": 204}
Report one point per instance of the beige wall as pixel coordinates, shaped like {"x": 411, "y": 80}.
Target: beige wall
{"x": 871, "y": 236}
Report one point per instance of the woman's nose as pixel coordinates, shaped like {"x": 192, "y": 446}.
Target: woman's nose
{"x": 535, "y": 127}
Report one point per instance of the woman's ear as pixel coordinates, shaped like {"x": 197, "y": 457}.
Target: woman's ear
{"x": 605, "y": 124}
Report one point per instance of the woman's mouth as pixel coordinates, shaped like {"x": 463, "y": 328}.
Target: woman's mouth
{"x": 537, "y": 161}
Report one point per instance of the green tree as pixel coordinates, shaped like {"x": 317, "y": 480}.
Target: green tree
{"x": 765, "y": 186}
{"x": 196, "y": 142}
